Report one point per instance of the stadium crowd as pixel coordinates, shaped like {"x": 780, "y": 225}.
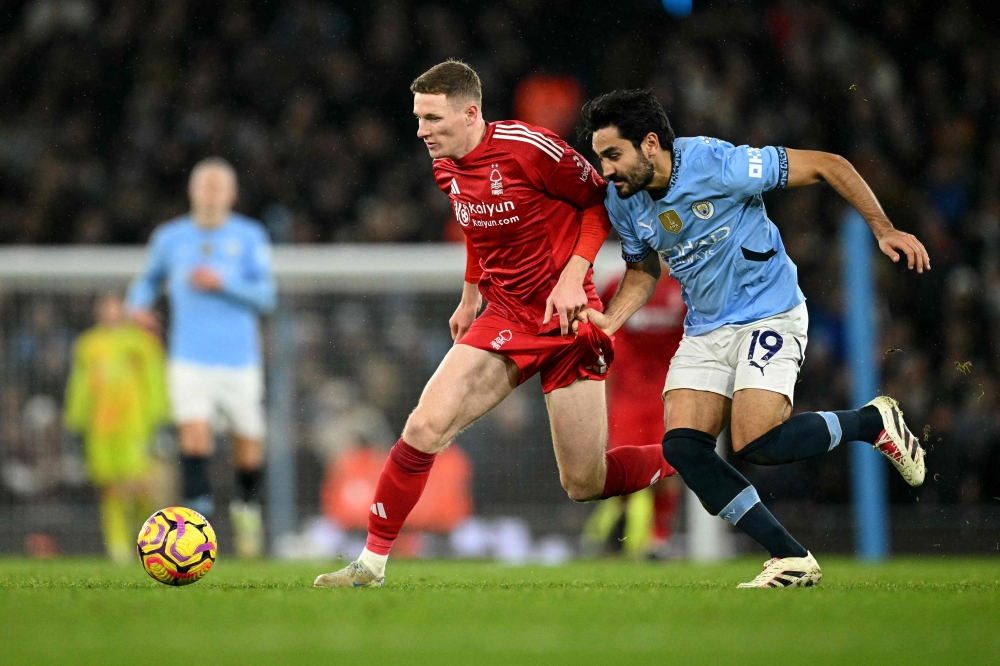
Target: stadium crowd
{"x": 107, "y": 106}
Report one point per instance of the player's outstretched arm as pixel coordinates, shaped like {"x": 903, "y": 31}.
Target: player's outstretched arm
{"x": 143, "y": 290}
{"x": 466, "y": 312}
{"x": 808, "y": 167}
{"x": 637, "y": 286}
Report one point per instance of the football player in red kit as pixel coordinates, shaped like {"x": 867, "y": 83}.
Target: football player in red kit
{"x": 532, "y": 210}
{"x": 643, "y": 349}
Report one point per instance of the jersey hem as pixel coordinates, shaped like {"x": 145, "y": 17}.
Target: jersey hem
{"x": 636, "y": 258}
{"x": 694, "y": 331}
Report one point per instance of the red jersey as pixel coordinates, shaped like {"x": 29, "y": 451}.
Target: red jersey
{"x": 643, "y": 349}
{"x": 525, "y": 200}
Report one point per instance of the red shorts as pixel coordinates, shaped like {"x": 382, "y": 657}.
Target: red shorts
{"x": 559, "y": 360}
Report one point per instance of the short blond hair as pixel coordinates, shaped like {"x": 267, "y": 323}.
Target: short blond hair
{"x": 453, "y": 79}
{"x": 214, "y": 163}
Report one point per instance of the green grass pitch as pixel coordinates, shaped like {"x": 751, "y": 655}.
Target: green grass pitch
{"x": 909, "y": 611}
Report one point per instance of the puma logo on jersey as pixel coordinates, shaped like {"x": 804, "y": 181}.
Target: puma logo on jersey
{"x": 644, "y": 225}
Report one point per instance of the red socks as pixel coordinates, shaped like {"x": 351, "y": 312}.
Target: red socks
{"x": 632, "y": 468}
{"x": 399, "y": 488}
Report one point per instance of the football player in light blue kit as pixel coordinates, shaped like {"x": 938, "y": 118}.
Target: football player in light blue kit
{"x": 216, "y": 266}
{"x": 696, "y": 201}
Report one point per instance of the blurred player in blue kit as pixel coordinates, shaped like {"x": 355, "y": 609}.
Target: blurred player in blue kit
{"x": 216, "y": 266}
{"x": 696, "y": 202}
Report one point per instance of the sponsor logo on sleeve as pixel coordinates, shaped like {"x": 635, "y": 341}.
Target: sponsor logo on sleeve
{"x": 756, "y": 163}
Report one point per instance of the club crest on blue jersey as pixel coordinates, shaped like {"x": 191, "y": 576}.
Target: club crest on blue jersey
{"x": 703, "y": 209}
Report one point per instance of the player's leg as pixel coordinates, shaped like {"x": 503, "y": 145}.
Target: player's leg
{"x": 587, "y": 469}
{"x": 693, "y": 421}
{"x": 720, "y": 487}
{"x": 468, "y": 383}
{"x": 190, "y": 401}
{"x": 573, "y": 381}
{"x": 240, "y": 397}
{"x": 245, "y": 510}
{"x": 195, "y": 455}
{"x": 777, "y": 441}
{"x": 769, "y": 361}
{"x": 115, "y": 524}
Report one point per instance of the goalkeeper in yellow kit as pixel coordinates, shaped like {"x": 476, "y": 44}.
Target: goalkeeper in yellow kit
{"x": 115, "y": 400}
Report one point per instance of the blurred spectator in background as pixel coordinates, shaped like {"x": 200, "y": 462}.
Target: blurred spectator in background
{"x": 115, "y": 400}
{"x": 552, "y": 102}
{"x": 640, "y": 524}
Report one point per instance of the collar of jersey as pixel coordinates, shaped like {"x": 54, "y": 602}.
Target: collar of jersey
{"x": 673, "y": 173}
{"x": 674, "y": 170}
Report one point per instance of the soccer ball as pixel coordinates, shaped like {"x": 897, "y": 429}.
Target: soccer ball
{"x": 177, "y": 546}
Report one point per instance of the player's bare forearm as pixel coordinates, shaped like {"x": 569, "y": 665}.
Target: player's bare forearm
{"x": 466, "y": 312}
{"x": 568, "y": 298}
{"x": 808, "y": 167}
{"x": 637, "y": 286}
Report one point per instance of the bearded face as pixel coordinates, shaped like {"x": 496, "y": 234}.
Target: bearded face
{"x": 634, "y": 176}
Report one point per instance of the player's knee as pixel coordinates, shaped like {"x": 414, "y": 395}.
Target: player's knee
{"x": 684, "y": 447}
{"x": 424, "y": 432}
{"x": 580, "y": 490}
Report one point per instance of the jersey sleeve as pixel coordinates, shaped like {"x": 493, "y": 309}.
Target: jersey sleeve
{"x": 142, "y": 292}
{"x": 255, "y": 286}
{"x": 634, "y": 249}
{"x": 748, "y": 171}
{"x": 473, "y": 269}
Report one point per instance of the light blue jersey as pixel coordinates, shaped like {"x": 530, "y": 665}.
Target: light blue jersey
{"x": 208, "y": 328}
{"x": 712, "y": 230}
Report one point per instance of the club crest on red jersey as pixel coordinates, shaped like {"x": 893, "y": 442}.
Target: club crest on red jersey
{"x": 496, "y": 181}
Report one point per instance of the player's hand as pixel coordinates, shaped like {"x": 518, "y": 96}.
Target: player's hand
{"x": 205, "y": 279}
{"x": 895, "y": 241}
{"x": 146, "y": 319}
{"x": 567, "y": 300}
{"x": 465, "y": 314}
{"x": 598, "y": 319}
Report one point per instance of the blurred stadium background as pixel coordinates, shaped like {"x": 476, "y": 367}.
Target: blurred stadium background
{"x": 106, "y": 106}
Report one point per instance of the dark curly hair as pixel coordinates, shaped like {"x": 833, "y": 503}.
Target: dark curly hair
{"x": 635, "y": 113}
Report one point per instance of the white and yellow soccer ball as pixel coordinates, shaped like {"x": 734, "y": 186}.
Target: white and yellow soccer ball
{"x": 177, "y": 546}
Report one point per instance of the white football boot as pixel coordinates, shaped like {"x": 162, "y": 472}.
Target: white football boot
{"x": 897, "y": 443}
{"x": 354, "y": 574}
{"x": 787, "y": 572}
{"x": 248, "y": 529}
